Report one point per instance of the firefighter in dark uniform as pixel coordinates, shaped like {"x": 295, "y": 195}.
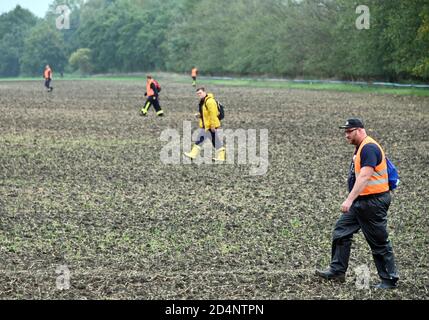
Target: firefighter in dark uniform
{"x": 47, "y": 75}
{"x": 365, "y": 208}
{"x": 194, "y": 74}
{"x": 152, "y": 94}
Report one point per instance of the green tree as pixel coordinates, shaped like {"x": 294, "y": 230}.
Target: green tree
{"x": 295, "y": 38}
{"x": 152, "y": 37}
{"x": 14, "y": 27}
{"x": 9, "y": 56}
{"x": 421, "y": 68}
{"x": 81, "y": 59}
{"x": 209, "y": 34}
{"x": 70, "y": 35}
{"x": 179, "y": 37}
{"x": 44, "y": 45}
{"x": 100, "y": 32}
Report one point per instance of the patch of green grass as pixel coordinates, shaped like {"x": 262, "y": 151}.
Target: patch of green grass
{"x": 316, "y": 86}
{"x": 253, "y": 83}
{"x": 20, "y": 79}
{"x": 260, "y": 83}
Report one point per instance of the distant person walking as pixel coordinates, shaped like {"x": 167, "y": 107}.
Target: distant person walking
{"x": 365, "y": 208}
{"x": 194, "y": 74}
{"x": 47, "y": 75}
{"x": 152, "y": 93}
{"x": 209, "y": 124}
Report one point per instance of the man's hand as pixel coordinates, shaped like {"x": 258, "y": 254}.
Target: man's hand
{"x": 345, "y": 207}
{"x": 360, "y": 184}
{"x": 197, "y": 115}
{"x": 212, "y": 128}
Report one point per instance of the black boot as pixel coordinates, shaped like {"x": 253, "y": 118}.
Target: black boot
{"x": 329, "y": 274}
{"x": 386, "y": 284}
{"x": 386, "y": 267}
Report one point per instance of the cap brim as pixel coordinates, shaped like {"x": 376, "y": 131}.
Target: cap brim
{"x": 351, "y": 127}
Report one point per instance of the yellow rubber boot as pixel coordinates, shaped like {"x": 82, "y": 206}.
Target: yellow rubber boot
{"x": 194, "y": 152}
{"x": 220, "y": 155}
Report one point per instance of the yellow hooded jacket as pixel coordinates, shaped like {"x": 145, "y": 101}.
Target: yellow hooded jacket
{"x": 209, "y": 113}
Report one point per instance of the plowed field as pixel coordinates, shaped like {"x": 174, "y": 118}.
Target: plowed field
{"x": 83, "y": 189}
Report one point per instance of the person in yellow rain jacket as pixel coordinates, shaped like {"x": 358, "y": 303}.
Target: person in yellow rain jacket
{"x": 209, "y": 124}
{"x": 194, "y": 74}
{"x": 152, "y": 93}
{"x": 47, "y": 75}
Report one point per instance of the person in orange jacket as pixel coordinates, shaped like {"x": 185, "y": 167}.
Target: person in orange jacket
{"x": 152, "y": 93}
{"x": 194, "y": 74}
{"x": 364, "y": 209}
{"x": 47, "y": 75}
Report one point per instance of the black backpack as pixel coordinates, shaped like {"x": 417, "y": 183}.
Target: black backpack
{"x": 221, "y": 110}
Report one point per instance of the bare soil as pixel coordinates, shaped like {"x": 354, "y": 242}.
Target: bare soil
{"x": 82, "y": 185}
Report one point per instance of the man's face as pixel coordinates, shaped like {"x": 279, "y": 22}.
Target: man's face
{"x": 201, "y": 94}
{"x": 351, "y": 135}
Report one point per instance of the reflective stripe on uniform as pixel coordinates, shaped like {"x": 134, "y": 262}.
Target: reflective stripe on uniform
{"x": 146, "y": 107}
{"x": 380, "y": 173}
{"x": 379, "y": 180}
{"x": 375, "y": 182}
{"x": 376, "y": 173}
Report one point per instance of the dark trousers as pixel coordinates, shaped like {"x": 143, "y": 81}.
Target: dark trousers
{"x": 48, "y": 83}
{"x": 210, "y": 135}
{"x": 152, "y": 100}
{"x": 370, "y": 215}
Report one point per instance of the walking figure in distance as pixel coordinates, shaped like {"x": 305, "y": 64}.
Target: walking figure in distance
{"x": 152, "y": 94}
{"x": 47, "y": 75}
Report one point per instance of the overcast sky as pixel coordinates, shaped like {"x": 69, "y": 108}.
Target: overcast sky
{"x": 38, "y": 7}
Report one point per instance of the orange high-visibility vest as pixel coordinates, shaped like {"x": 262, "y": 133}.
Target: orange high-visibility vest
{"x": 149, "y": 90}
{"x": 194, "y": 72}
{"x": 379, "y": 181}
{"x": 48, "y": 73}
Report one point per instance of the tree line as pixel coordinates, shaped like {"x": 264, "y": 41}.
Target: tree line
{"x": 285, "y": 38}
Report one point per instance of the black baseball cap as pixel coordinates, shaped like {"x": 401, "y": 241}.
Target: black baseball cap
{"x": 353, "y": 123}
